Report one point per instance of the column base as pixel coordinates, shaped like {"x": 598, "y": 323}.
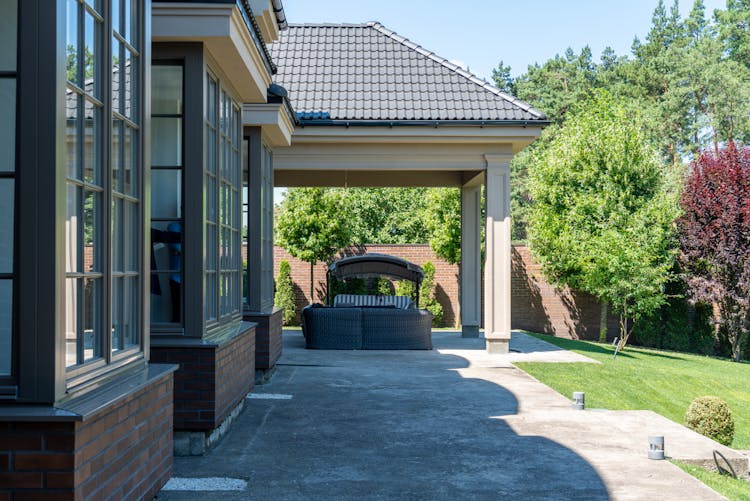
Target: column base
{"x": 497, "y": 343}
{"x": 470, "y": 331}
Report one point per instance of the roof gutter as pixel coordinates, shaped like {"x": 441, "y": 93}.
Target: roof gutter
{"x": 278, "y": 9}
{"x": 254, "y": 29}
{"x": 424, "y": 123}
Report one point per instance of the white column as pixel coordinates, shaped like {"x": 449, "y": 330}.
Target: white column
{"x": 471, "y": 257}
{"x": 498, "y": 253}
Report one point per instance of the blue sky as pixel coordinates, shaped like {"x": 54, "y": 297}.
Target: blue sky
{"x": 480, "y": 33}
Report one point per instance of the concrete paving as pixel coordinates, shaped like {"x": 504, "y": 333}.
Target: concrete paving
{"x": 452, "y": 423}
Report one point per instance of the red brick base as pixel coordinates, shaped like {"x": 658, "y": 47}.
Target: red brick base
{"x": 267, "y": 337}
{"x": 213, "y": 378}
{"x": 104, "y": 448}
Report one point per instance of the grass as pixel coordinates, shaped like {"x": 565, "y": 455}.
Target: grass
{"x": 662, "y": 381}
{"x": 731, "y": 488}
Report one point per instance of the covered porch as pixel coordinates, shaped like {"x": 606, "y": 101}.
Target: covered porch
{"x": 376, "y": 110}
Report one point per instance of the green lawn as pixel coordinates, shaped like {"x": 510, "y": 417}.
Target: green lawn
{"x": 731, "y": 488}
{"x": 662, "y": 381}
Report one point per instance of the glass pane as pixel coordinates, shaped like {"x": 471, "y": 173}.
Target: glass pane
{"x": 92, "y": 337}
{"x": 73, "y": 226}
{"x": 92, "y": 144}
{"x": 91, "y": 240}
{"x": 73, "y": 305}
{"x": 117, "y": 72}
{"x": 117, "y": 308}
{"x": 167, "y": 257}
{"x": 8, "y": 39}
{"x": 6, "y": 225}
{"x": 7, "y": 124}
{"x": 117, "y": 235}
{"x": 91, "y": 54}
{"x": 71, "y": 42}
{"x": 130, "y": 79}
{"x": 166, "y": 142}
{"x": 116, "y": 16}
{"x": 6, "y": 326}
{"x": 73, "y": 102}
{"x": 211, "y": 250}
{"x": 210, "y": 299}
{"x": 131, "y": 236}
{"x": 130, "y": 312}
{"x": 130, "y": 161}
{"x": 117, "y": 161}
{"x": 166, "y": 90}
{"x": 210, "y": 198}
{"x": 166, "y": 193}
{"x": 131, "y": 20}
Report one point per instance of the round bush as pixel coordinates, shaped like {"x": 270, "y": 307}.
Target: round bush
{"x": 711, "y": 416}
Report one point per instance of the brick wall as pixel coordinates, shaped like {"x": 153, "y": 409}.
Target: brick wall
{"x": 268, "y": 343}
{"x": 537, "y": 306}
{"x": 212, "y": 379}
{"x": 123, "y": 451}
{"x": 446, "y": 275}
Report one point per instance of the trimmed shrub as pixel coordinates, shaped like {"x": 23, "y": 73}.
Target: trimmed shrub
{"x": 284, "y": 297}
{"x": 427, "y": 295}
{"x": 711, "y": 416}
{"x": 406, "y": 288}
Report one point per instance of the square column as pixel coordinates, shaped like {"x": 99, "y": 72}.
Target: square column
{"x": 498, "y": 251}
{"x": 471, "y": 257}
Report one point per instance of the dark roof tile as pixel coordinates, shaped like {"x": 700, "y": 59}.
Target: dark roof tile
{"x": 367, "y": 72}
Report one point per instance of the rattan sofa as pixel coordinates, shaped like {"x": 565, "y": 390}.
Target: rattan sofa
{"x": 366, "y": 328}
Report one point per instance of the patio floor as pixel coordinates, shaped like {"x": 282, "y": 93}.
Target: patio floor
{"x": 452, "y": 423}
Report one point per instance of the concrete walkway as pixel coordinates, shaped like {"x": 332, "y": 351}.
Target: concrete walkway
{"x": 453, "y": 423}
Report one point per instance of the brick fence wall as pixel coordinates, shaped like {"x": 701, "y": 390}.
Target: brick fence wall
{"x": 536, "y": 305}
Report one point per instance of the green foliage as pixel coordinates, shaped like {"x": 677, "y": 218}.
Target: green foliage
{"x": 711, "y": 416}
{"x": 353, "y": 285}
{"x": 382, "y": 286}
{"x": 309, "y": 225}
{"x": 602, "y": 211}
{"x": 406, "y": 288}
{"x": 664, "y": 382}
{"x": 427, "y": 299}
{"x": 384, "y": 215}
{"x": 503, "y": 80}
{"x": 442, "y": 218}
{"x": 285, "y": 297}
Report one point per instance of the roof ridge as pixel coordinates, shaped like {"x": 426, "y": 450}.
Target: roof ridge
{"x": 329, "y": 25}
{"x": 453, "y": 67}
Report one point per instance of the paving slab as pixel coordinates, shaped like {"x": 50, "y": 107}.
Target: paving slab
{"x": 451, "y": 423}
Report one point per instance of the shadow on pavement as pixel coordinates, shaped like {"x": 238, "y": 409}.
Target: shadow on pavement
{"x": 386, "y": 425}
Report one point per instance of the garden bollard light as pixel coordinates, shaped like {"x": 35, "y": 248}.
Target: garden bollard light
{"x": 578, "y": 400}
{"x": 656, "y": 447}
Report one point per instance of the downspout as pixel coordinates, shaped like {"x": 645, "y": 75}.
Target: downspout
{"x": 278, "y": 9}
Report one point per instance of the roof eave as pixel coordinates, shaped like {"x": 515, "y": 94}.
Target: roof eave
{"x": 423, "y": 123}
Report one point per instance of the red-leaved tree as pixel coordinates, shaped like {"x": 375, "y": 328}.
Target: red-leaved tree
{"x": 715, "y": 238}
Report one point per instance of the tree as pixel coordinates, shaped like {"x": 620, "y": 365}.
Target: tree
{"x": 501, "y": 77}
{"x": 310, "y": 226}
{"x": 602, "y": 211}
{"x": 427, "y": 296}
{"x": 734, "y": 30}
{"x": 715, "y": 238}
{"x": 442, "y": 217}
{"x": 385, "y": 215}
{"x": 284, "y": 297}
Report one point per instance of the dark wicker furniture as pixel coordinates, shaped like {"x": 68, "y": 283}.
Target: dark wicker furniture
{"x": 366, "y": 328}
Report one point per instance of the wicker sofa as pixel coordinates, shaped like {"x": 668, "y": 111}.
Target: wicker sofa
{"x": 366, "y": 328}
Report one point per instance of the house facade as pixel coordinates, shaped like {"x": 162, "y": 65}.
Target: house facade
{"x": 129, "y": 129}
{"x": 136, "y": 141}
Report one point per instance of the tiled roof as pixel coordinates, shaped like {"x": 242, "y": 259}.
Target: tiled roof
{"x": 365, "y": 72}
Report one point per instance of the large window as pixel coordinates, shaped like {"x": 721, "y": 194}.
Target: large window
{"x": 8, "y": 78}
{"x": 103, "y": 219}
{"x": 222, "y": 204}
{"x": 266, "y": 232}
{"x": 167, "y": 221}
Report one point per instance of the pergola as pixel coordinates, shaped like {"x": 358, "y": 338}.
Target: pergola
{"x": 376, "y": 110}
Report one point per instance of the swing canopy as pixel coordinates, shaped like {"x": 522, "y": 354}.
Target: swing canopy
{"x": 371, "y": 265}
